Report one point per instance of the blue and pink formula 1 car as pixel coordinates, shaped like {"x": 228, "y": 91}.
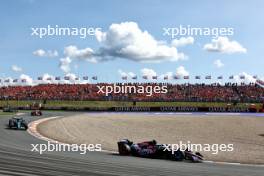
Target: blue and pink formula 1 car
{"x": 150, "y": 149}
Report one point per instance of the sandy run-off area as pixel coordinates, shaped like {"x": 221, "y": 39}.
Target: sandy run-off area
{"x": 245, "y": 133}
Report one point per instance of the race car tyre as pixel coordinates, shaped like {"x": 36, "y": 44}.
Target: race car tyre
{"x": 178, "y": 156}
{"x": 124, "y": 149}
{"x": 26, "y": 126}
{"x": 10, "y": 123}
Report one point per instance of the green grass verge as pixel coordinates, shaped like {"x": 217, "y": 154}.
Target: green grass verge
{"x": 6, "y": 113}
{"x": 83, "y": 104}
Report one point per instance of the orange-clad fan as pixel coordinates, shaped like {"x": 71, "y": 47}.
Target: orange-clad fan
{"x": 251, "y": 93}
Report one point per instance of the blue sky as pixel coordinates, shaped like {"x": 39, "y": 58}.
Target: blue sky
{"x": 17, "y": 44}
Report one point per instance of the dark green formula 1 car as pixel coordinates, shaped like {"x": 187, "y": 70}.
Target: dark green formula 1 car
{"x": 17, "y": 123}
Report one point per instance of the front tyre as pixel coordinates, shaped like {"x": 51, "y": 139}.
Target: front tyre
{"x": 124, "y": 149}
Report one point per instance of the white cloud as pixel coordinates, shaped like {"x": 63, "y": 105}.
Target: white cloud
{"x": 224, "y": 45}
{"x": 128, "y": 74}
{"x": 126, "y": 40}
{"x": 122, "y": 73}
{"x": 12, "y": 82}
{"x": 15, "y": 68}
{"x": 47, "y": 79}
{"x": 183, "y": 41}
{"x": 65, "y": 64}
{"x": 73, "y": 52}
{"x": 50, "y": 79}
{"x": 3, "y": 83}
{"x": 39, "y": 52}
{"x": 100, "y": 36}
{"x": 29, "y": 80}
{"x": 218, "y": 63}
{"x": 148, "y": 72}
{"x": 248, "y": 78}
{"x": 72, "y": 79}
{"x": 131, "y": 74}
{"x": 168, "y": 74}
{"x": 43, "y": 53}
{"x": 180, "y": 71}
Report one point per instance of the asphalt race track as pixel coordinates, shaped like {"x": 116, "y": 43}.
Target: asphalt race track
{"x": 16, "y": 158}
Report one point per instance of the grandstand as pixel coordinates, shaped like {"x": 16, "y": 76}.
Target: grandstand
{"x": 230, "y": 92}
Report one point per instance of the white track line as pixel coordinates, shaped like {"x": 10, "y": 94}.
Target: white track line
{"x": 32, "y": 129}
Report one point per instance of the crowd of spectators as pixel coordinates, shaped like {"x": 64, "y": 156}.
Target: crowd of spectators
{"x": 176, "y": 92}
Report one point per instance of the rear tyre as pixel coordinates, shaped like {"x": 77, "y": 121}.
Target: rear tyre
{"x": 26, "y": 126}
{"x": 178, "y": 156}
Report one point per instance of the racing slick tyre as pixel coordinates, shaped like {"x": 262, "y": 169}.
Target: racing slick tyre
{"x": 178, "y": 156}
{"x": 10, "y": 124}
{"x": 25, "y": 126}
{"x": 124, "y": 149}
